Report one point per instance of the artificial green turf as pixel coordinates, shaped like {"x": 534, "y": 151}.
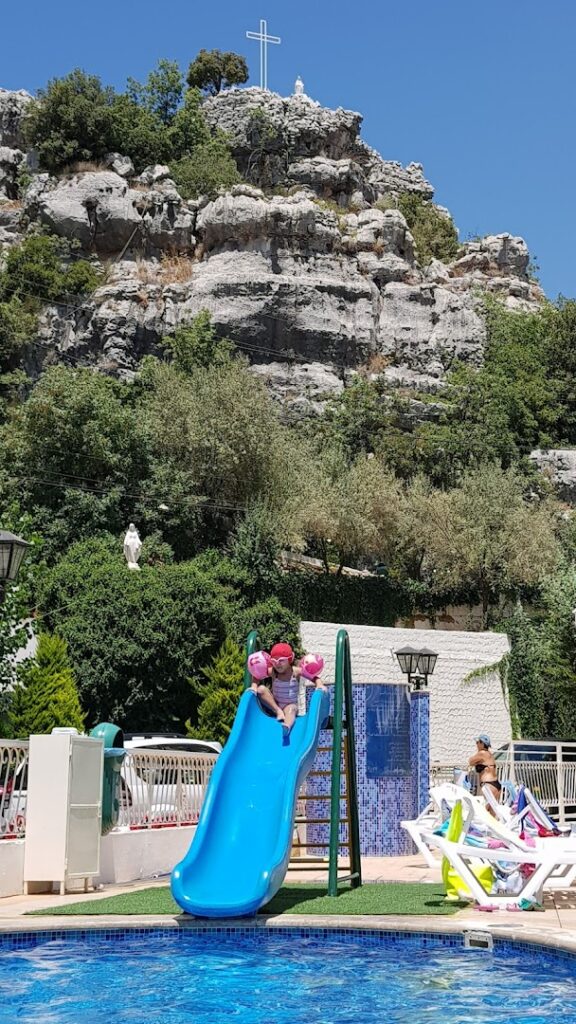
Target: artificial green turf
{"x": 404, "y": 898}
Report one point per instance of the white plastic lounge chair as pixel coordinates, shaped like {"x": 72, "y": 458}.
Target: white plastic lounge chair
{"x": 475, "y": 813}
{"x": 442, "y": 800}
{"x": 463, "y": 857}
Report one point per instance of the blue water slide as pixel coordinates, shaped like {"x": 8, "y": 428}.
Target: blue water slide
{"x": 240, "y": 851}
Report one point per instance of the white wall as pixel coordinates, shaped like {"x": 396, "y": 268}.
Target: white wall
{"x": 124, "y": 857}
{"x": 458, "y": 710}
{"x": 11, "y": 867}
{"x": 129, "y": 856}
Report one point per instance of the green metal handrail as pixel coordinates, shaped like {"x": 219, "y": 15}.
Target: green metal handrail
{"x": 343, "y": 701}
{"x": 251, "y": 646}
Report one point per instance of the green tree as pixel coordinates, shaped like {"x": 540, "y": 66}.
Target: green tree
{"x": 76, "y": 118}
{"x": 352, "y": 512}
{"x": 46, "y": 697}
{"x": 13, "y": 636}
{"x": 488, "y": 537}
{"x": 188, "y": 129}
{"x": 557, "y": 661}
{"x": 210, "y": 167}
{"x": 211, "y": 71}
{"x": 525, "y": 675}
{"x": 197, "y": 344}
{"x": 217, "y": 444}
{"x": 138, "y": 133}
{"x": 35, "y": 272}
{"x": 78, "y": 454}
{"x": 255, "y": 553}
{"x": 162, "y": 92}
{"x": 134, "y": 638}
{"x": 219, "y": 691}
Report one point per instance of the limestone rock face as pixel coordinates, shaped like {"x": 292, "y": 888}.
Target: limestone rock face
{"x": 282, "y": 140}
{"x": 121, "y": 165}
{"x": 498, "y": 264}
{"x": 12, "y": 110}
{"x": 10, "y": 162}
{"x": 104, "y": 214}
{"x": 298, "y": 265}
{"x": 559, "y": 465}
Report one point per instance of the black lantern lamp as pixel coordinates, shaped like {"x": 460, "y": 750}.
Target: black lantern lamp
{"x": 12, "y": 551}
{"x": 417, "y": 665}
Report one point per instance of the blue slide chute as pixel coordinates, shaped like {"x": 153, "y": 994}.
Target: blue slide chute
{"x": 240, "y": 852}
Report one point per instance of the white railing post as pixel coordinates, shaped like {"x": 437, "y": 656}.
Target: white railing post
{"x": 560, "y": 779}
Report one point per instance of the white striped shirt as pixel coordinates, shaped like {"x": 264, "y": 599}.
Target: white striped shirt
{"x": 285, "y": 691}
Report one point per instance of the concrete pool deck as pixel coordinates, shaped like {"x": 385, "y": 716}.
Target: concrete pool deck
{"x": 555, "y": 926}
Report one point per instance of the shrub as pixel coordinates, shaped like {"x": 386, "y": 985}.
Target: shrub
{"x": 274, "y": 623}
{"x": 37, "y": 270}
{"x": 70, "y": 120}
{"x": 197, "y": 344}
{"x": 47, "y": 697}
{"x": 213, "y": 71}
{"x": 210, "y": 167}
{"x": 435, "y": 236}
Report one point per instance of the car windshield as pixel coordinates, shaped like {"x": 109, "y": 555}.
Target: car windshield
{"x": 185, "y": 746}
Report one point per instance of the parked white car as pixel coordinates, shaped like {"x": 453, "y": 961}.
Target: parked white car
{"x": 164, "y": 779}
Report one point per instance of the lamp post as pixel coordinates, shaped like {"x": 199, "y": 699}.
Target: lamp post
{"x": 417, "y": 665}
{"x": 12, "y": 551}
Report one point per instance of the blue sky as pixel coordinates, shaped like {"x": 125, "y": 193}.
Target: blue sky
{"x": 483, "y": 94}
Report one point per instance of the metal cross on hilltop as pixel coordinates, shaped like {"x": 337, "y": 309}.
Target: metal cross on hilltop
{"x": 263, "y": 38}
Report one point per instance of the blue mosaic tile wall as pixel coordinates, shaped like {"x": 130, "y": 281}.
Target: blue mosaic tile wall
{"x": 392, "y": 753}
{"x": 420, "y": 746}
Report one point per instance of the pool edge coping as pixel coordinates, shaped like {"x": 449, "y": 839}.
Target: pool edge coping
{"x": 551, "y": 938}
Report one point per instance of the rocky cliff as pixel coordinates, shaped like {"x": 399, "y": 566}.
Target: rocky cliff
{"x": 303, "y": 266}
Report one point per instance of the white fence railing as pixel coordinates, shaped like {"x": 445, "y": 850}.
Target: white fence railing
{"x": 162, "y": 788}
{"x": 553, "y": 783}
{"x": 13, "y": 787}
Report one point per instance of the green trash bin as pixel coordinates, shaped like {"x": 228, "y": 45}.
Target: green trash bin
{"x": 114, "y": 755}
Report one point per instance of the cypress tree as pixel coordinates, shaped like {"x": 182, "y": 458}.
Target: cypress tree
{"x": 47, "y": 697}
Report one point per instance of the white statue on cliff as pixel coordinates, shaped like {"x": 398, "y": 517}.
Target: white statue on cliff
{"x": 132, "y": 547}
{"x": 299, "y": 87}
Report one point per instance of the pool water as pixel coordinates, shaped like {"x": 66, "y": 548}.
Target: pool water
{"x": 279, "y": 978}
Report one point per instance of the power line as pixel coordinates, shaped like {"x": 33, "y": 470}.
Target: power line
{"x": 197, "y": 502}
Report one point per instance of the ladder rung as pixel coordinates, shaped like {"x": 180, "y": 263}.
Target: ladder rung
{"x": 319, "y": 861}
{"x": 318, "y": 796}
{"x": 318, "y": 821}
{"x": 320, "y": 865}
{"x": 320, "y": 771}
{"x": 321, "y": 846}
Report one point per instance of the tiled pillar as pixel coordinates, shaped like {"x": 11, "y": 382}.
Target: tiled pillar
{"x": 420, "y": 747}
{"x": 387, "y": 780}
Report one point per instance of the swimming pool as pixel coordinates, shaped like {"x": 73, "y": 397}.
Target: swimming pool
{"x": 254, "y": 975}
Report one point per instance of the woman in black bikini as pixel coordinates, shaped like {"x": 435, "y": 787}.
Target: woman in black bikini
{"x": 485, "y": 765}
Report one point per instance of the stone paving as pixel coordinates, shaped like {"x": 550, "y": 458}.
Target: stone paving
{"x": 554, "y": 926}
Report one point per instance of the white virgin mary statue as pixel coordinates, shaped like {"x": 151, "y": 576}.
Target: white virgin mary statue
{"x": 132, "y": 547}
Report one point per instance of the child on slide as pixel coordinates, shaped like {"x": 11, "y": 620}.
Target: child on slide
{"x": 283, "y": 699}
